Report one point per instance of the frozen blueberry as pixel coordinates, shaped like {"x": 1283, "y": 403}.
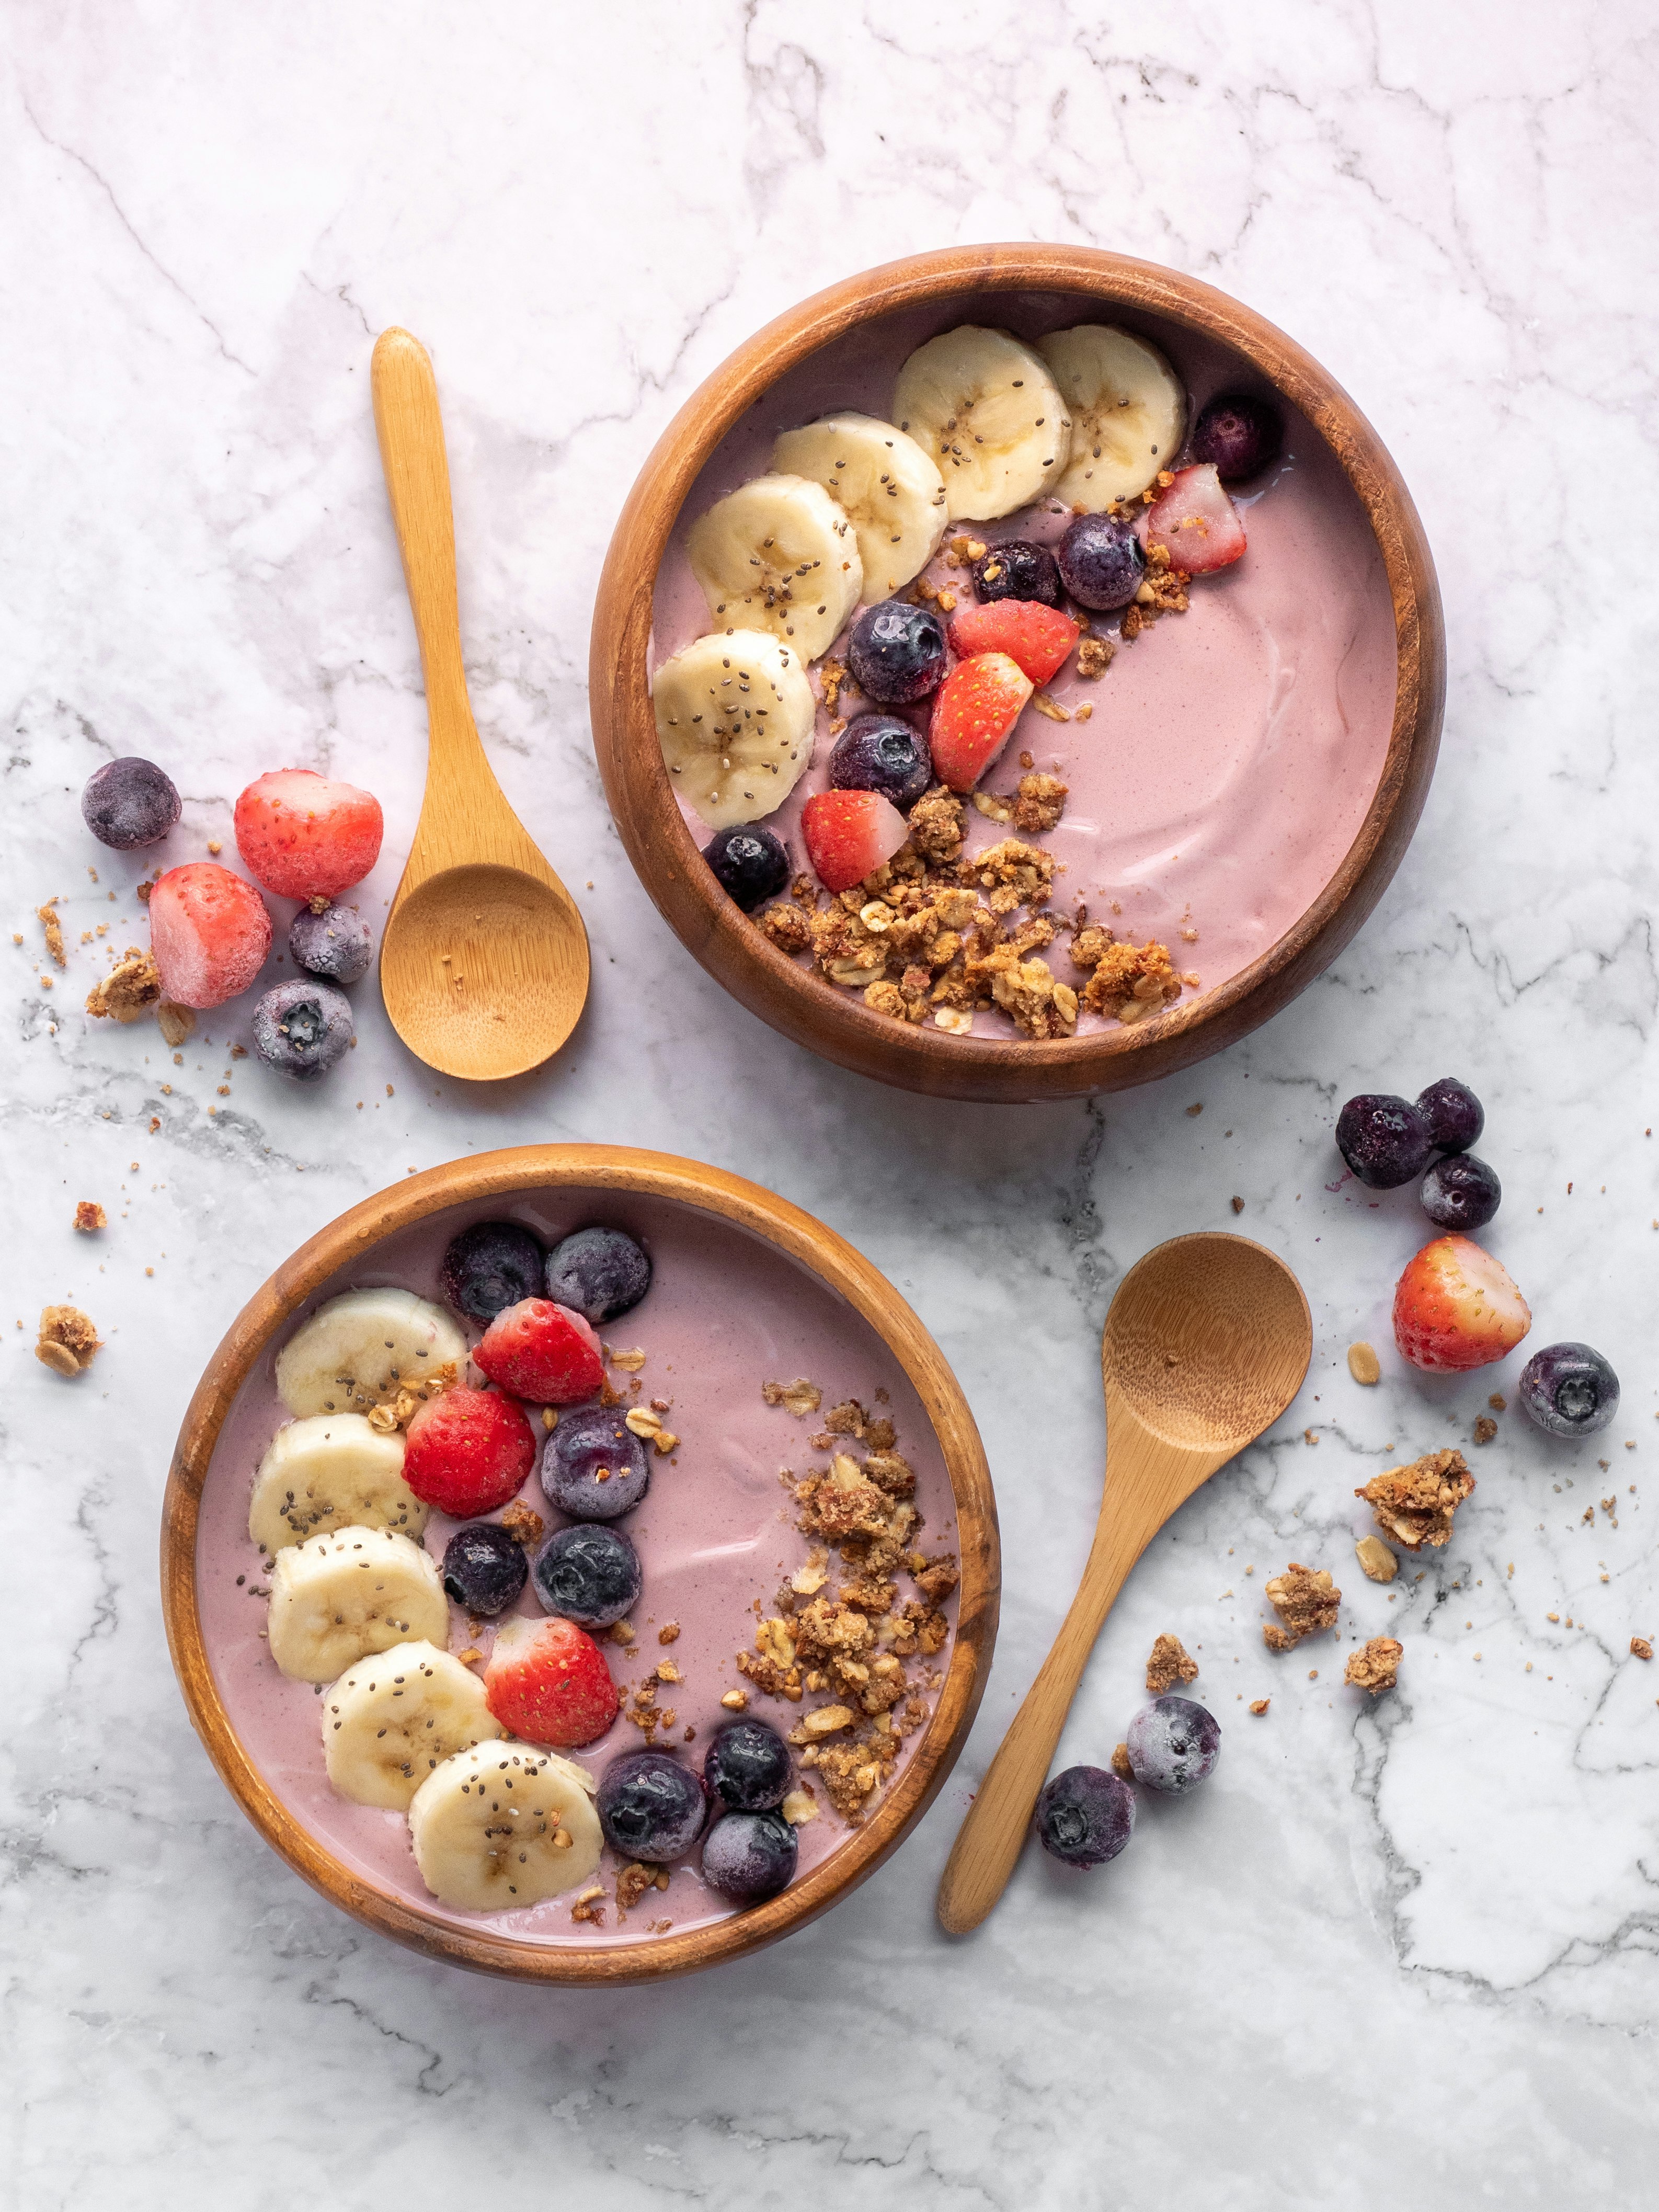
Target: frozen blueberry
{"x": 1461, "y": 1192}
{"x": 598, "y": 1274}
{"x": 590, "y": 1574}
{"x": 1454, "y": 1116}
{"x": 1569, "y": 1390}
{"x": 302, "y": 1028}
{"x": 1100, "y": 561}
{"x": 483, "y": 1569}
{"x": 879, "y": 752}
{"x": 747, "y": 1766}
{"x": 1173, "y": 1745}
{"x": 1238, "y": 434}
{"x": 1017, "y": 571}
{"x": 896, "y": 653}
{"x": 1384, "y": 1139}
{"x": 130, "y": 802}
{"x": 489, "y": 1267}
{"x": 750, "y": 864}
{"x": 1085, "y": 1815}
{"x": 335, "y": 943}
{"x": 593, "y": 1467}
{"x": 650, "y": 1807}
{"x": 749, "y": 1856}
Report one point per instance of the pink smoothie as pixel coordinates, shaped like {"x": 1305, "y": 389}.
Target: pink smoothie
{"x": 1233, "y": 750}
{"x": 716, "y": 1532}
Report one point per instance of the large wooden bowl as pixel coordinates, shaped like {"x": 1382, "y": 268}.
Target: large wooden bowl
{"x": 349, "y": 1242}
{"x": 837, "y": 1023}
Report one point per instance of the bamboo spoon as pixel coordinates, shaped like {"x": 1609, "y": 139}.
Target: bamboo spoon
{"x": 483, "y": 960}
{"x": 1207, "y": 1341}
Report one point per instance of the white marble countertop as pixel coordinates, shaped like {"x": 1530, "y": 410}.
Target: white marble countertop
{"x": 1392, "y": 1953}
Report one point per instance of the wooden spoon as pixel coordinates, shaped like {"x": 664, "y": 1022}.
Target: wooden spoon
{"x": 484, "y": 961}
{"x": 1207, "y": 1341}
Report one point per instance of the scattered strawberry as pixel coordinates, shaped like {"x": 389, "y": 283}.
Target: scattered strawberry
{"x": 1197, "y": 521}
{"x": 304, "y": 838}
{"x": 542, "y": 1352}
{"x": 468, "y": 1452}
{"x": 849, "y": 834}
{"x": 1455, "y": 1307}
{"x": 1034, "y": 636}
{"x": 209, "y": 931}
{"x": 978, "y": 704}
{"x": 547, "y": 1681}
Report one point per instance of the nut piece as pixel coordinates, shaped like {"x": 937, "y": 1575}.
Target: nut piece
{"x": 1305, "y": 1600}
{"x": 800, "y": 1397}
{"x": 799, "y": 1806}
{"x": 736, "y": 1701}
{"x": 1378, "y": 1562}
{"x": 1374, "y": 1667}
{"x": 1363, "y": 1365}
{"x": 829, "y": 1720}
{"x": 90, "y": 1217}
{"x": 176, "y": 1023}
{"x": 68, "y": 1343}
{"x": 1170, "y": 1663}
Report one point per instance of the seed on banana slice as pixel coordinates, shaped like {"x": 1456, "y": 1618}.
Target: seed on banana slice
{"x": 779, "y": 554}
{"x": 734, "y": 719}
{"x": 1128, "y": 412}
{"x": 357, "y": 1349}
{"x": 888, "y": 487}
{"x": 501, "y": 1826}
{"x": 988, "y": 410}
{"x": 393, "y": 1717}
{"x": 354, "y": 1591}
{"x": 330, "y": 1471}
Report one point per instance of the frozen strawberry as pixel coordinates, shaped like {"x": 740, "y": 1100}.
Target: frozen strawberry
{"x": 547, "y": 1681}
{"x": 849, "y": 834}
{"x": 209, "y": 931}
{"x": 1197, "y": 521}
{"x": 1033, "y": 636}
{"x": 542, "y": 1352}
{"x": 304, "y": 838}
{"x": 978, "y": 704}
{"x": 468, "y": 1452}
{"x": 1455, "y": 1307}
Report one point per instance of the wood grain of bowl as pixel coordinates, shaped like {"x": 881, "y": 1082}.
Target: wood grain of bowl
{"x": 564, "y": 1177}
{"x": 967, "y": 283}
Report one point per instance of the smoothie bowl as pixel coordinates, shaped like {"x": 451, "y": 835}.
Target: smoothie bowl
{"x": 1017, "y": 671}
{"x": 580, "y": 1565}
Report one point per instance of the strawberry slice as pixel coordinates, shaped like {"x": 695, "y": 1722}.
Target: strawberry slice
{"x": 849, "y": 834}
{"x": 1201, "y": 527}
{"x": 542, "y": 1352}
{"x": 1457, "y": 1307}
{"x": 978, "y": 704}
{"x": 1037, "y": 637}
{"x": 547, "y": 1682}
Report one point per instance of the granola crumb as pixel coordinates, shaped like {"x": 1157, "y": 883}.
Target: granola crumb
{"x": 53, "y": 930}
{"x": 1170, "y": 1663}
{"x": 1121, "y": 1765}
{"x": 590, "y": 1906}
{"x": 736, "y": 1701}
{"x": 131, "y": 988}
{"x": 630, "y": 1361}
{"x": 1306, "y": 1600}
{"x": 1378, "y": 1562}
{"x": 90, "y": 1217}
{"x": 669, "y": 1632}
{"x": 1051, "y": 709}
{"x": 621, "y": 1631}
{"x": 1640, "y": 1648}
{"x": 523, "y": 1525}
{"x": 471, "y": 1656}
{"x": 1376, "y": 1665}
{"x": 1237, "y": 1205}
{"x": 1260, "y": 1705}
{"x": 1484, "y": 1429}
{"x": 1094, "y": 657}
{"x": 800, "y": 1397}
{"x": 1363, "y": 1365}
{"x": 1414, "y": 1505}
{"x": 67, "y": 1342}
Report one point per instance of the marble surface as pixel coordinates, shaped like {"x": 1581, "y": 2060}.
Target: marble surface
{"x": 1394, "y": 1953}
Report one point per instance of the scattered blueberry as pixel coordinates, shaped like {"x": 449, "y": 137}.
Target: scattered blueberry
{"x": 130, "y": 802}
{"x": 1454, "y": 1116}
{"x": 896, "y": 653}
{"x": 1085, "y": 1815}
{"x": 594, "y": 1467}
{"x": 489, "y": 1267}
{"x": 750, "y": 864}
{"x": 747, "y": 1767}
{"x": 1102, "y": 563}
{"x": 302, "y": 1028}
{"x": 590, "y": 1574}
{"x": 1238, "y": 435}
{"x": 1569, "y": 1390}
{"x": 1384, "y": 1139}
{"x": 879, "y": 752}
{"x": 1461, "y": 1192}
{"x": 598, "y": 1274}
{"x": 1173, "y": 1745}
{"x": 483, "y": 1569}
{"x": 749, "y": 1856}
{"x": 650, "y": 1807}
{"x": 1017, "y": 571}
{"x": 335, "y": 943}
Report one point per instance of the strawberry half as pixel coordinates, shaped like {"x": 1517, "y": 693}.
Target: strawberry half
{"x": 542, "y": 1352}
{"x": 849, "y": 834}
{"x": 1457, "y": 1307}
{"x": 1036, "y": 638}
{"x": 547, "y": 1682}
{"x": 468, "y": 1452}
{"x": 1201, "y": 527}
{"x": 978, "y": 704}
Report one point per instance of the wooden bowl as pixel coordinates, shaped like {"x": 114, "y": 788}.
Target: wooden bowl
{"x": 834, "y": 1022}
{"x": 331, "y": 1260}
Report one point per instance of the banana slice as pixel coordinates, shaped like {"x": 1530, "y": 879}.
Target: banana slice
{"x": 887, "y": 487}
{"x": 988, "y": 410}
{"x": 734, "y": 719}
{"x": 778, "y": 555}
{"x": 1128, "y": 412}
{"x": 393, "y": 1717}
{"x": 352, "y": 1350}
{"x": 502, "y": 1826}
{"x": 354, "y": 1590}
{"x": 330, "y": 1471}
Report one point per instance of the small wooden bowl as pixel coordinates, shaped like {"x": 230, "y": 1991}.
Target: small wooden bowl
{"x": 347, "y": 1243}
{"x": 837, "y": 1023}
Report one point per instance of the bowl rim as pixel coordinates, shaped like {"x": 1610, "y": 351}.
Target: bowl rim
{"x": 835, "y": 1023}
{"x": 836, "y": 1263}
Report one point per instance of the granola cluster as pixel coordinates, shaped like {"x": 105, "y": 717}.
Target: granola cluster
{"x": 1170, "y": 1662}
{"x": 1305, "y": 1599}
{"x": 1375, "y": 1665}
{"x": 1414, "y": 1505}
{"x": 67, "y": 1340}
{"x": 131, "y": 987}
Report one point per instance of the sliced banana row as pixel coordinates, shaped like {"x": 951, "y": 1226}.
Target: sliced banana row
{"x": 354, "y": 1351}
{"x": 734, "y": 719}
{"x": 501, "y": 1826}
{"x": 887, "y": 487}
{"x": 394, "y": 1716}
{"x": 779, "y": 554}
{"x": 1128, "y": 412}
{"x": 330, "y": 1471}
{"x": 352, "y": 1591}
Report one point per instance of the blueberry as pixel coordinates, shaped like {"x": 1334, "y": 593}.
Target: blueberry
{"x": 598, "y": 1274}
{"x": 130, "y": 802}
{"x": 483, "y": 1569}
{"x": 879, "y": 752}
{"x": 335, "y": 943}
{"x": 896, "y": 653}
{"x": 594, "y": 1467}
{"x": 749, "y": 1856}
{"x": 302, "y": 1028}
{"x": 489, "y": 1267}
{"x": 1454, "y": 1116}
{"x": 1384, "y": 1139}
{"x": 1173, "y": 1745}
{"x": 1569, "y": 1390}
{"x": 1017, "y": 571}
{"x": 1238, "y": 435}
{"x": 1461, "y": 1192}
{"x": 750, "y": 864}
{"x": 590, "y": 1574}
{"x": 1085, "y": 1816}
{"x": 747, "y": 1766}
{"x": 650, "y": 1807}
{"x": 1102, "y": 563}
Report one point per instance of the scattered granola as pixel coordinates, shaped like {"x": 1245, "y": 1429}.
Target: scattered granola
{"x": 1375, "y": 1665}
{"x": 1170, "y": 1663}
{"x": 1306, "y": 1600}
{"x": 90, "y": 1217}
{"x": 68, "y": 1342}
{"x": 131, "y": 988}
{"x": 523, "y": 1525}
{"x": 1377, "y": 1560}
{"x": 1414, "y": 1505}
{"x": 1094, "y": 656}
{"x": 401, "y": 1401}
{"x": 634, "y": 1881}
